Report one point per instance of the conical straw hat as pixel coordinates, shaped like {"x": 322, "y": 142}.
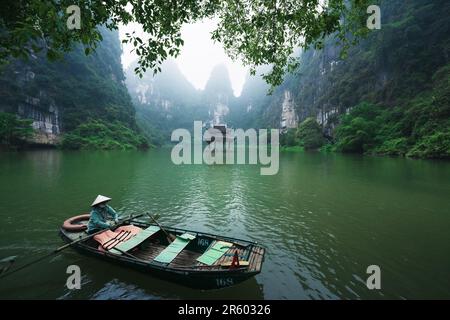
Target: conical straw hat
{"x": 100, "y": 199}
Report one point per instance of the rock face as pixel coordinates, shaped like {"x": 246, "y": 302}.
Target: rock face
{"x": 143, "y": 91}
{"x": 58, "y": 96}
{"x": 39, "y": 107}
{"x": 149, "y": 93}
{"x": 218, "y": 95}
{"x": 168, "y": 101}
{"x": 45, "y": 116}
{"x": 164, "y": 93}
{"x": 219, "y": 110}
{"x": 289, "y": 118}
{"x": 326, "y": 120}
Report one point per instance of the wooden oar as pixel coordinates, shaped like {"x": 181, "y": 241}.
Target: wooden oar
{"x": 128, "y": 255}
{"x": 170, "y": 237}
{"x": 8, "y": 263}
{"x": 57, "y": 250}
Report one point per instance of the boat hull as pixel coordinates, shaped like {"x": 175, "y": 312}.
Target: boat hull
{"x": 190, "y": 277}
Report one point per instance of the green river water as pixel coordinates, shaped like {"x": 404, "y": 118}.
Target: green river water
{"x": 324, "y": 218}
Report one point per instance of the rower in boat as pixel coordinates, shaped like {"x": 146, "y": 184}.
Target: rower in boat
{"x": 102, "y": 215}
{"x": 186, "y": 257}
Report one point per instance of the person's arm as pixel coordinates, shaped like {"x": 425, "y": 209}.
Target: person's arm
{"x": 113, "y": 214}
{"x": 97, "y": 221}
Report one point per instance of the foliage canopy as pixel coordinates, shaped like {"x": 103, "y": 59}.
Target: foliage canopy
{"x": 310, "y": 134}
{"x": 257, "y": 31}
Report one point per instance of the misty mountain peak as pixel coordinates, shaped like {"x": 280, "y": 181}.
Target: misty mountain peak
{"x": 219, "y": 82}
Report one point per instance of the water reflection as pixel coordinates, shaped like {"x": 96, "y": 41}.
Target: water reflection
{"x": 115, "y": 282}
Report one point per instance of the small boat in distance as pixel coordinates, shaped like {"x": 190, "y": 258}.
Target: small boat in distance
{"x": 226, "y": 135}
{"x": 189, "y": 258}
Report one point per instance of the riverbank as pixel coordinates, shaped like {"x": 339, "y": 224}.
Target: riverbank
{"x": 291, "y": 149}
{"x": 27, "y": 147}
{"x": 43, "y": 147}
{"x": 332, "y": 149}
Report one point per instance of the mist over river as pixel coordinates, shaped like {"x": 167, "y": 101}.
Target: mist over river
{"x": 324, "y": 218}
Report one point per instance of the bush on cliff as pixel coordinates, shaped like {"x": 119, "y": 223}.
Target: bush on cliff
{"x": 309, "y": 133}
{"x": 13, "y": 130}
{"x": 97, "y": 134}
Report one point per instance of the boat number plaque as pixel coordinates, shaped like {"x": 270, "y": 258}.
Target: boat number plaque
{"x": 203, "y": 242}
{"x": 224, "y": 282}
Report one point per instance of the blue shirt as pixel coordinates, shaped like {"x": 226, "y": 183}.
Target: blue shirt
{"x": 99, "y": 218}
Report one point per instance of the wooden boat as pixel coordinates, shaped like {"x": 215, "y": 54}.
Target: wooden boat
{"x": 193, "y": 259}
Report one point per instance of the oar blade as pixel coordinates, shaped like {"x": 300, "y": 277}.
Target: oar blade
{"x": 10, "y": 259}
{"x": 6, "y": 263}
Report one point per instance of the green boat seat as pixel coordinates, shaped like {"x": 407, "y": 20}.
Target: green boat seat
{"x": 173, "y": 249}
{"x": 210, "y": 256}
{"x": 136, "y": 240}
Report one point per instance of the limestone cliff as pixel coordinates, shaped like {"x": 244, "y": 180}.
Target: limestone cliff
{"x": 289, "y": 117}
{"x": 37, "y": 105}
{"x": 168, "y": 101}
{"x": 218, "y": 95}
{"x": 58, "y": 96}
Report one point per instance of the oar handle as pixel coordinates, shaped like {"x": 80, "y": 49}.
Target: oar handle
{"x": 168, "y": 236}
{"x": 67, "y": 245}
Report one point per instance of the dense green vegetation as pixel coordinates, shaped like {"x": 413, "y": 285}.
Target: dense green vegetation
{"x": 289, "y": 138}
{"x": 356, "y": 132}
{"x": 103, "y": 135}
{"x": 310, "y": 134}
{"x": 421, "y": 128}
{"x": 14, "y": 131}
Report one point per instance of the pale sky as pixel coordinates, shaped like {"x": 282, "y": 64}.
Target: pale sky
{"x": 198, "y": 57}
